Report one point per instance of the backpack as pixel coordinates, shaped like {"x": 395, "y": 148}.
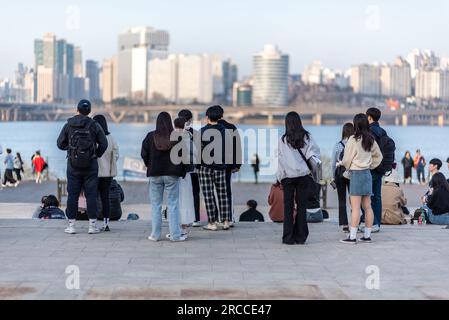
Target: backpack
{"x": 387, "y": 147}
{"x": 81, "y": 147}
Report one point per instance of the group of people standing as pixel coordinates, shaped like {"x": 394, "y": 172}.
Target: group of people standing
{"x": 418, "y": 162}
{"x": 182, "y": 180}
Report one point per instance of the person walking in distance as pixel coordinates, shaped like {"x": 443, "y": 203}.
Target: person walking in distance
{"x": 296, "y": 149}
{"x": 8, "y": 179}
{"x": 233, "y": 160}
{"x": 407, "y": 163}
{"x": 213, "y": 170}
{"x": 341, "y": 182}
{"x": 387, "y": 148}
{"x": 420, "y": 164}
{"x": 85, "y": 142}
{"x": 255, "y": 163}
{"x": 39, "y": 166}
{"x": 164, "y": 177}
{"x": 362, "y": 154}
{"x": 18, "y": 166}
{"x": 107, "y": 170}
{"x": 187, "y": 114}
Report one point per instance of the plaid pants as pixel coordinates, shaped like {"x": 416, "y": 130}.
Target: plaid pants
{"x": 210, "y": 181}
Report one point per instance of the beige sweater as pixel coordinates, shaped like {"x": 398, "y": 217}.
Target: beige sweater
{"x": 356, "y": 158}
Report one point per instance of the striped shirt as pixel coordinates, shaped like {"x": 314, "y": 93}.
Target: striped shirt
{"x": 338, "y": 149}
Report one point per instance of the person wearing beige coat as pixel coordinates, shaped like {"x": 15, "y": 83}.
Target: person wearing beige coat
{"x": 393, "y": 199}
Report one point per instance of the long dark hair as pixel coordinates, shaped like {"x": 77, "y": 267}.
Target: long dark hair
{"x": 439, "y": 182}
{"x": 19, "y": 157}
{"x": 348, "y": 131}
{"x": 362, "y": 131}
{"x": 295, "y": 134}
{"x": 164, "y": 128}
{"x": 101, "y": 120}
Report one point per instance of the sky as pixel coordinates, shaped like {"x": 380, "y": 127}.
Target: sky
{"x": 339, "y": 33}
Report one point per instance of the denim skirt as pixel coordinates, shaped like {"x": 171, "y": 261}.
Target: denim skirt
{"x": 361, "y": 183}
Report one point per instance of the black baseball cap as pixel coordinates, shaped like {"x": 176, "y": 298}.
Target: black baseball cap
{"x": 84, "y": 107}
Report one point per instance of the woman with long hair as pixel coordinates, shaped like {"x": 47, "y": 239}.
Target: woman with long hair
{"x": 164, "y": 177}
{"x": 296, "y": 148}
{"x": 407, "y": 163}
{"x": 437, "y": 202}
{"x": 362, "y": 154}
{"x": 341, "y": 182}
{"x": 18, "y": 166}
{"x": 107, "y": 170}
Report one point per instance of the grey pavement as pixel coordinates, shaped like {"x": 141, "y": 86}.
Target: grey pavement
{"x": 248, "y": 262}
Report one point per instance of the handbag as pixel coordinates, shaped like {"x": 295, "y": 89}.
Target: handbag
{"x": 347, "y": 174}
{"x": 314, "y": 166}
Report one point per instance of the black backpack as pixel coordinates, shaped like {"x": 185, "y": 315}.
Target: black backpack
{"x": 387, "y": 147}
{"x": 81, "y": 146}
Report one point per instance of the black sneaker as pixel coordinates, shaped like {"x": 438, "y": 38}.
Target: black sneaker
{"x": 349, "y": 241}
{"x": 365, "y": 240}
{"x": 345, "y": 230}
{"x": 106, "y": 229}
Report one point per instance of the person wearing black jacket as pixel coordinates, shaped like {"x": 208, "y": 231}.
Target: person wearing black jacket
{"x": 234, "y": 163}
{"x": 437, "y": 202}
{"x": 251, "y": 215}
{"x": 213, "y": 170}
{"x": 164, "y": 176}
{"x": 82, "y": 178}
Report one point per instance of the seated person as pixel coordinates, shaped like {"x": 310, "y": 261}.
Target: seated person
{"x": 51, "y": 209}
{"x": 252, "y": 215}
{"x": 276, "y": 202}
{"x": 436, "y": 202}
{"x": 37, "y": 212}
{"x": 393, "y": 200}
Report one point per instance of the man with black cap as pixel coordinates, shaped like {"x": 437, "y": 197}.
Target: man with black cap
{"x": 84, "y": 141}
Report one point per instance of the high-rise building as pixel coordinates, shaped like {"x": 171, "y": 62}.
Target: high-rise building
{"x": 230, "y": 76}
{"x": 195, "y": 79}
{"x": 365, "y": 79}
{"x": 93, "y": 75}
{"x": 313, "y": 74}
{"x": 78, "y": 62}
{"x": 432, "y": 84}
{"x": 109, "y": 80}
{"x": 396, "y": 79}
{"x": 422, "y": 59}
{"x": 242, "y": 95}
{"x": 163, "y": 80}
{"x": 45, "y": 63}
{"x": 138, "y": 46}
{"x": 45, "y": 84}
{"x": 270, "y": 76}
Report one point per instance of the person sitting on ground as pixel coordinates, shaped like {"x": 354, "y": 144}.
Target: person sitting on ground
{"x": 437, "y": 202}
{"x": 38, "y": 211}
{"x": 435, "y": 166}
{"x": 276, "y": 202}
{"x": 51, "y": 210}
{"x": 252, "y": 215}
{"x": 393, "y": 200}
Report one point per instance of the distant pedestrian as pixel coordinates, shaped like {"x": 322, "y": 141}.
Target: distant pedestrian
{"x": 407, "y": 163}
{"x": 296, "y": 149}
{"x": 39, "y": 166}
{"x": 8, "y": 179}
{"x": 341, "y": 182}
{"x": 420, "y": 164}
{"x": 362, "y": 154}
{"x": 196, "y": 189}
{"x": 18, "y": 166}
{"x": 107, "y": 170}
{"x": 251, "y": 215}
{"x": 164, "y": 177}
{"x": 85, "y": 142}
{"x": 255, "y": 163}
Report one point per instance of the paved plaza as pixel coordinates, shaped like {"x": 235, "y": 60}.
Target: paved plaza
{"x": 248, "y": 262}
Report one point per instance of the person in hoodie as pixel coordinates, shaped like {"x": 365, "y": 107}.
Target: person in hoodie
{"x": 107, "y": 170}
{"x": 85, "y": 142}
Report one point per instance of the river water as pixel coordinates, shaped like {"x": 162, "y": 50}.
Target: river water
{"x": 27, "y": 137}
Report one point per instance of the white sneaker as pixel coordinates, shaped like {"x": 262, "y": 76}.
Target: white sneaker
{"x": 196, "y": 224}
{"x": 94, "y": 230}
{"x": 153, "y": 239}
{"x": 375, "y": 229}
{"x": 181, "y": 239}
{"x": 70, "y": 230}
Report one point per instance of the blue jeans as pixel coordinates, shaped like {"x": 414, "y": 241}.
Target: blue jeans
{"x": 420, "y": 174}
{"x": 157, "y": 187}
{"x": 376, "y": 199}
{"x": 442, "y": 219}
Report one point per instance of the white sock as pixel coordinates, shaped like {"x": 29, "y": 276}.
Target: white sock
{"x": 353, "y": 234}
{"x": 106, "y": 221}
{"x": 92, "y": 223}
{"x": 367, "y": 233}
{"x": 72, "y": 223}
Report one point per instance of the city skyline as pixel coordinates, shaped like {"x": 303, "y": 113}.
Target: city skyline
{"x": 338, "y": 34}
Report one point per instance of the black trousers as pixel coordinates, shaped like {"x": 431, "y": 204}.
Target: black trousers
{"x": 8, "y": 177}
{"x": 196, "y": 194}
{"x": 82, "y": 180}
{"x": 104, "y": 188}
{"x": 229, "y": 193}
{"x": 18, "y": 174}
{"x": 296, "y": 190}
{"x": 342, "y": 191}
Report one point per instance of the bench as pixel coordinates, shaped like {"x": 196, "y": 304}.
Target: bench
{"x": 61, "y": 189}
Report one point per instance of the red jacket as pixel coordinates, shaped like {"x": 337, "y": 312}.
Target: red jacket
{"x": 38, "y": 163}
